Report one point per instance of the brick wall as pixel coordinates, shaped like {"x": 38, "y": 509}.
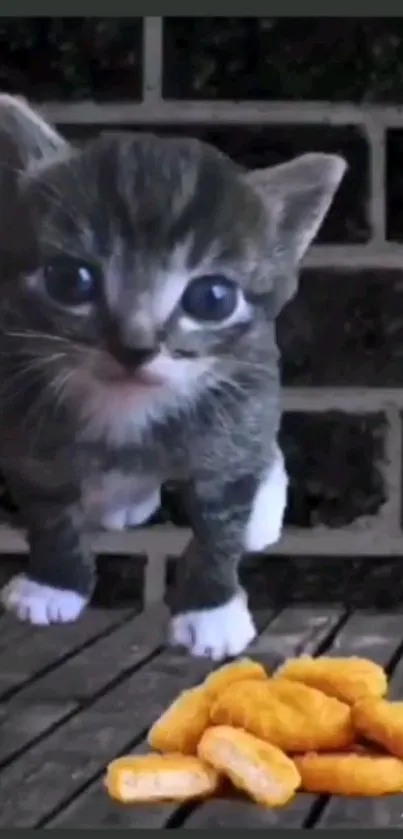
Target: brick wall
{"x": 264, "y": 90}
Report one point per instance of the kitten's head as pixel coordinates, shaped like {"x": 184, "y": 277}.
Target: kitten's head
{"x": 139, "y": 270}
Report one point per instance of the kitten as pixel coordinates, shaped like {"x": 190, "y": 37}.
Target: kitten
{"x": 141, "y": 278}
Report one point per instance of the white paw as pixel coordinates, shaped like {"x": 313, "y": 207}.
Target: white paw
{"x": 215, "y": 633}
{"x": 140, "y": 513}
{"x": 266, "y": 519}
{"x": 115, "y": 520}
{"x": 39, "y": 604}
{"x": 131, "y": 516}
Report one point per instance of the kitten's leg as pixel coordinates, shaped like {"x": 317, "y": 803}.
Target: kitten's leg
{"x": 60, "y": 578}
{"x": 211, "y": 614}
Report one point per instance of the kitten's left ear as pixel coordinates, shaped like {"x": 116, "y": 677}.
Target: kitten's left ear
{"x": 298, "y": 195}
{"x": 34, "y": 139}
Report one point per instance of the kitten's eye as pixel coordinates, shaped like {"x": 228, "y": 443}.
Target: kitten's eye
{"x": 70, "y": 282}
{"x": 211, "y": 298}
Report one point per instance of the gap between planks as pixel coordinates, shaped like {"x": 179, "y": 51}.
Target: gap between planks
{"x": 56, "y": 693}
{"x": 71, "y": 756}
{"x": 27, "y": 652}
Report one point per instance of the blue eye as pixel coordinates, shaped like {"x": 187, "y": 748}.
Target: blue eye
{"x": 70, "y": 282}
{"x": 210, "y": 299}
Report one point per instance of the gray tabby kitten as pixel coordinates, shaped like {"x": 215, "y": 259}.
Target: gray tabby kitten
{"x": 140, "y": 281}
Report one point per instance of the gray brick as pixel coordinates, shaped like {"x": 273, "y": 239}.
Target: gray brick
{"x": 349, "y": 59}
{"x": 334, "y": 462}
{"x": 344, "y": 328}
{"x": 71, "y": 58}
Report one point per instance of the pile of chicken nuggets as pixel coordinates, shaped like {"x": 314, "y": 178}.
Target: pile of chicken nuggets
{"x": 321, "y": 725}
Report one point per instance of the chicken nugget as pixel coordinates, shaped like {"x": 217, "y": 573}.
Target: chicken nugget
{"x": 350, "y": 773}
{"x": 348, "y": 679}
{"x": 143, "y": 778}
{"x": 381, "y": 721}
{"x": 261, "y": 770}
{"x": 290, "y": 715}
{"x": 237, "y": 671}
{"x": 180, "y": 727}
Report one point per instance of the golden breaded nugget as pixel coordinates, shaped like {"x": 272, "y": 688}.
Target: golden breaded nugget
{"x": 292, "y": 716}
{"x": 350, "y": 773}
{"x": 382, "y": 722}
{"x": 348, "y": 679}
{"x": 182, "y": 724}
{"x": 237, "y": 671}
{"x": 142, "y": 778}
{"x": 261, "y": 770}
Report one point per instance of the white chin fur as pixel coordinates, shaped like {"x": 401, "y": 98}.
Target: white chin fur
{"x": 40, "y": 605}
{"x": 123, "y": 414}
{"x": 266, "y": 520}
{"x": 215, "y": 633}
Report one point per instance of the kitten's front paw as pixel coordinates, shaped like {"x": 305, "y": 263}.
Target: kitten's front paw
{"x": 215, "y": 633}
{"x": 39, "y": 604}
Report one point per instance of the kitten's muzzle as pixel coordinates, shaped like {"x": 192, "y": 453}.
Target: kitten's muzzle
{"x": 132, "y": 358}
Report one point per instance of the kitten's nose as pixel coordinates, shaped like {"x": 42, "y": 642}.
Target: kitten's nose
{"x": 133, "y": 357}
{"x": 132, "y": 344}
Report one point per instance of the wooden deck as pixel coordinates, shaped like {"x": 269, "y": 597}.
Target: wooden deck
{"x": 74, "y": 697}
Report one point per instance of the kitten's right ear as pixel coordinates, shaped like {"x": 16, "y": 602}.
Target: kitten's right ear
{"x": 26, "y": 141}
{"x": 31, "y": 136}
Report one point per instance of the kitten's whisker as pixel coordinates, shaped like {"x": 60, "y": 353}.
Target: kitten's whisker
{"x": 32, "y": 368}
{"x": 58, "y": 386}
{"x": 219, "y": 385}
{"x": 49, "y": 408}
{"x": 35, "y": 335}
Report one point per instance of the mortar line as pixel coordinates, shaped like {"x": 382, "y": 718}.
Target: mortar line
{"x": 353, "y": 399}
{"x": 152, "y": 60}
{"x": 221, "y": 112}
{"x": 391, "y": 513}
{"x": 368, "y": 536}
{"x": 377, "y": 182}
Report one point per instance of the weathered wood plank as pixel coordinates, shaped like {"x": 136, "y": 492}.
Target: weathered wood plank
{"x": 56, "y": 695}
{"x": 165, "y": 677}
{"x": 295, "y": 630}
{"x": 12, "y": 631}
{"x": 36, "y": 649}
{"x": 94, "y": 809}
{"x": 59, "y": 765}
{"x": 375, "y": 635}
{"x": 20, "y": 726}
{"x": 231, "y": 813}
{"x": 382, "y": 636}
{"x": 87, "y": 672}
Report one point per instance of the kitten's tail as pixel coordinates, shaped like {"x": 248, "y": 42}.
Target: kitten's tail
{"x": 36, "y": 139}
